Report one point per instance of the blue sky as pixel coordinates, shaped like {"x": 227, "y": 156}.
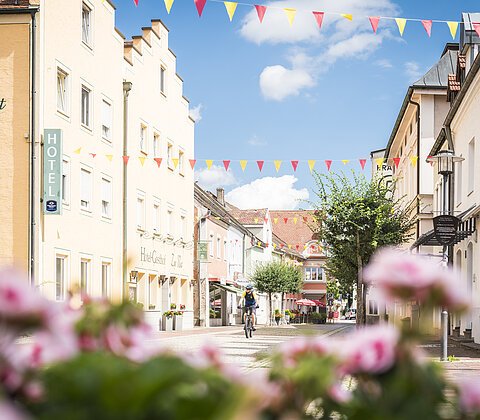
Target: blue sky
{"x": 271, "y": 91}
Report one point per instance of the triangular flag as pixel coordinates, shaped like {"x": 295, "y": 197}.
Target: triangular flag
{"x": 427, "y": 24}
{"x": 109, "y": 157}
{"x": 281, "y": 245}
{"x": 209, "y": 163}
{"x": 260, "y": 12}
{"x": 255, "y": 220}
{"x": 305, "y": 219}
{"x": 192, "y": 162}
{"x": 142, "y": 160}
{"x": 363, "y": 162}
{"x": 374, "y": 22}
{"x": 297, "y": 246}
{"x": 413, "y": 159}
{"x": 401, "y": 22}
{"x": 289, "y": 246}
{"x": 277, "y": 164}
{"x": 274, "y": 246}
{"x": 265, "y": 219}
{"x": 275, "y": 220}
{"x": 379, "y": 161}
{"x": 285, "y": 220}
{"x": 294, "y": 165}
{"x": 345, "y": 161}
{"x": 396, "y": 161}
{"x": 347, "y": 16}
{"x": 231, "y": 7}
{"x": 92, "y": 154}
{"x": 328, "y": 163}
{"x": 136, "y": 2}
{"x": 311, "y": 164}
{"x": 430, "y": 161}
{"x": 304, "y": 247}
{"x": 200, "y": 5}
{"x": 125, "y": 159}
{"x": 260, "y": 164}
{"x": 168, "y": 5}
{"x": 290, "y": 15}
{"x": 453, "y": 26}
{"x": 295, "y": 220}
{"x": 476, "y": 26}
{"x": 243, "y": 164}
{"x": 78, "y": 151}
{"x": 319, "y": 18}
{"x": 158, "y": 160}
{"x": 175, "y": 162}
{"x": 226, "y": 164}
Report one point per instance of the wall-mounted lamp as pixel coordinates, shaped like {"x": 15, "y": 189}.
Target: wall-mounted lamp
{"x": 133, "y": 276}
{"x": 172, "y": 280}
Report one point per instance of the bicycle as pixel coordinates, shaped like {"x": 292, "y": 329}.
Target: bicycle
{"x": 248, "y": 327}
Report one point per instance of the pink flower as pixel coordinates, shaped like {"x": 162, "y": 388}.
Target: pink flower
{"x": 339, "y": 394}
{"x": 370, "y": 350}
{"x": 469, "y": 395}
{"x": 10, "y": 412}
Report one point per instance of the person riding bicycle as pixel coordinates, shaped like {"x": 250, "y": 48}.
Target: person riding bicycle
{"x": 249, "y": 302}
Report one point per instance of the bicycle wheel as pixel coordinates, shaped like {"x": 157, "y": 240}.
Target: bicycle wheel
{"x": 251, "y": 329}
{"x": 247, "y": 326}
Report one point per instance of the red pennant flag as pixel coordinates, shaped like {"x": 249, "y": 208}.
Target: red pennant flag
{"x": 294, "y": 165}
{"x": 281, "y": 245}
{"x": 318, "y": 18}
{"x": 476, "y": 26}
{"x": 298, "y": 247}
{"x": 431, "y": 162}
{"x": 260, "y": 164}
{"x": 93, "y": 155}
{"x": 396, "y": 161}
{"x": 158, "y": 160}
{"x": 374, "y": 22}
{"x": 226, "y": 164}
{"x": 265, "y": 219}
{"x": 328, "y": 163}
{"x": 200, "y": 5}
{"x": 427, "y": 24}
{"x": 305, "y": 219}
{"x": 136, "y": 2}
{"x": 285, "y": 219}
{"x": 192, "y": 162}
{"x": 260, "y": 12}
{"x": 363, "y": 162}
{"x": 125, "y": 159}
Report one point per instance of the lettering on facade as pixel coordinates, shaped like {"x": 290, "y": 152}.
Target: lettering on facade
{"x": 151, "y": 257}
{"x": 3, "y": 104}
{"x": 52, "y": 171}
{"x": 177, "y": 261}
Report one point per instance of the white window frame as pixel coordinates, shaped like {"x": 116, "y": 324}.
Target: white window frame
{"x": 181, "y": 162}
{"x": 152, "y": 298}
{"x": 212, "y": 246}
{"x": 65, "y": 88}
{"x": 66, "y": 181}
{"x": 459, "y": 181}
{"x": 106, "y": 196}
{"x": 86, "y": 115}
{"x": 85, "y": 286}
{"x": 170, "y": 225}
{"x": 143, "y": 143}
{"x": 156, "y": 144}
{"x": 156, "y": 216}
{"x": 225, "y": 250}
{"x": 163, "y": 79}
{"x": 106, "y": 286}
{"x": 471, "y": 166}
{"x": 107, "y": 120}
{"x": 87, "y": 25}
{"x": 170, "y": 155}
{"x": 140, "y": 212}
{"x": 88, "y": 200}
{"x": 64, "y": 281}
{"x": 219, "y": 248}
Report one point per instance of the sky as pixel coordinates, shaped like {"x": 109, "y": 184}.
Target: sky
{"x": 272, "y": 91}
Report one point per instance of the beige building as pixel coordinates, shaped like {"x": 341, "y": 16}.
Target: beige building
{"x": 95, "y": 145}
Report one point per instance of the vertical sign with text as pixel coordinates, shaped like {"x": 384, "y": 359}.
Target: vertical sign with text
{"x": 52, "y": 171}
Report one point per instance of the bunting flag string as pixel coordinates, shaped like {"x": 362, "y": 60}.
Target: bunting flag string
{"x": 260, "y": 12}
{"x": 231, "y": 7}
{"x": 168, "y": 5}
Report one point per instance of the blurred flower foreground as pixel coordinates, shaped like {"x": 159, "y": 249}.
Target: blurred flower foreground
{"x": 93, "y": 362}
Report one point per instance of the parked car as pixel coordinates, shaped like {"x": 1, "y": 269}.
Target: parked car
{"x": 351, "y": 314}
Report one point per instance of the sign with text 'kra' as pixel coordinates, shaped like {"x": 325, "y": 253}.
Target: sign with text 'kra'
{"x": 52, "y": 171}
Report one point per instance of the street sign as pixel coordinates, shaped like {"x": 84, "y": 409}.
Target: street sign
{"x": 445, "y": 228}
{"x": 52, "y": 171}
{"x": 202, "y": 251}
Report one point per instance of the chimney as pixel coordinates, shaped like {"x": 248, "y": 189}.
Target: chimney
{"x": 221, "y": 196}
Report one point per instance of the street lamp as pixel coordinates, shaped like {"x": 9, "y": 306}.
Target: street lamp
{"x": 445, "y": 160}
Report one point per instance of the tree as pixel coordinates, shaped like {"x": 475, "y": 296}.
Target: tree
{"x": 354, "y": 217}
{"x": 292, "y": 281}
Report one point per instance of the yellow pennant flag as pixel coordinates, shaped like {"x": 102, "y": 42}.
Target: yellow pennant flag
{"x": 274, "y": 246}
{"x": 413, "y": 160}
{"x": 289, "y": 246}
{"x": 380, "y": 161}
{"x": 453, "y": 26}
{"x": 142, "y": 160}
{"x": 347, "y": 16}
{"x": 168, "y": 5}
{"x": 401, "y": 22}
{"x": 258, "y": 243}
{"x": 255, "y": 220}
{"x": 78, "y": 151}
{"x": 295, "y": 220}
{"x": 209, "y": 163}
{"x": 243, "y": 164}
{"x": 311, "y": 164}
{"x": 277, "y": 164}
{"x": 304, "y": 247}
{"x": 109, "y": 157}
{"x": 175, "y": 163}
{"x": 275, "y": 220}
{"x": 231, "y": 7}
{"x": 290, "y": 15}
{"x": 345, "y": 161}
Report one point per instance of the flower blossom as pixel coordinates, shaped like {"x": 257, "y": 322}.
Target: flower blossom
{"x": 469, "y": 395}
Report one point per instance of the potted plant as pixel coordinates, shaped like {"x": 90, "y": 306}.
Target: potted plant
{"x": 173, "y": 306}
{"x": 277, "y": 315}
{"x": 178, "y": 320}
{"x": 287, "y": 316}
{"x": 167, "y": 321}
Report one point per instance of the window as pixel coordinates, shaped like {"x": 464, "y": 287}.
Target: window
{"x": 181, "y": 160}
{"x": 141, "y": 211}
{"x": 170, "y": 222}
{"x": 106, "y": 198}
{"x": 156, "y": 145}
{"x": 106, "y": 120}
{"x": 162, "y": 79}
{"x": 459, "y": 176}
{"x": 411, "y": 128}
{"x": 170, "y": 155}
{"x": 211, "y": 245}
{"x": 314, "y": 273}
{"x": 66, "y": 181}
{"x": 143, "y": 138}
{"x": 62, "y": 91}
{"x": 225, "y": 250}
{"x": 219, "y": 250}
{"x": 84, "y": 275}
{"x": 60, "y": 277}
{"x": 85, "y": 106}
{"x": 152, "y": 292}
{"x": 372, "y": 307}
{"x": 85, "y": 189}
{"x": 156, "y": 217}
{"x": 471, "y": 166}
{"x": 86, "y": 24}
{"x": 183, "y": 224}
{"x": 106, "y": 274}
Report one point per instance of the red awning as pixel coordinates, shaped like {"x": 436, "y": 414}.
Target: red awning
{"x": 318, "y": 303}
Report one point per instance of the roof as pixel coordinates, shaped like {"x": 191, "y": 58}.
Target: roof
{"x": 13, "y": 4}
{"x": 293, "y": 226}
{"x": 469, "y": 19}
{"x": 249, "y": 217}
{"x": 453, "y": 84}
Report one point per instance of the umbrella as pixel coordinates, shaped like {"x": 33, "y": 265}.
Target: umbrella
{"x": 319, "y": 303}
{"x": 305, "y": 302}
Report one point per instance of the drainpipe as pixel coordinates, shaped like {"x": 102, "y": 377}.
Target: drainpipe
{"x": 127, "y": 87}
{"x": 417, "y": 105}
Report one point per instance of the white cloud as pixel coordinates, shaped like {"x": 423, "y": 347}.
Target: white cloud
{"x": 196, "y": 112}
{"x": 256, "y": 141}
{"x": 384, "y": 63}
{"x": 278, "y": 82}
{"x": 274, "y": 193}
{"x": 412, "y": 70}
{"x": 215, "y": 177}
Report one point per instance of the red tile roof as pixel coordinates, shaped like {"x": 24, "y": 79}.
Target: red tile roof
{"x": 293, "y": 226}
{"x": 453, "y": 84}
{"x": 249, "y": 217}
{"x": 14, "y": 4}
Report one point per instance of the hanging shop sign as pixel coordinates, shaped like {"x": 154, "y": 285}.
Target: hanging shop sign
{"x": 202, "y": 251}
{"x": 445, "y": 228}
{"x": 52, "y": 171}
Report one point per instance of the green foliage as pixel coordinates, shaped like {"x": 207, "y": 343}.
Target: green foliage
{"x": 277, "y": 277}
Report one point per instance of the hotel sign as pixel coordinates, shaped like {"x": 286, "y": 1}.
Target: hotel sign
{"x": 153, "y": 257}
{"x": 445, "y": 228}
{"x": 52, "y": 171}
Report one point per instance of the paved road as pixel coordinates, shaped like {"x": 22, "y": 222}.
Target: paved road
{"x": 239, "y": 350}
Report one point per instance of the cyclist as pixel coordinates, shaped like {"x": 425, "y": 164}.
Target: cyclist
{"x": 249, "y": 301}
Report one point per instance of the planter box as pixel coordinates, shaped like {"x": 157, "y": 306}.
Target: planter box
{"x": 178, "y": 322}
{"x": 167, "y": 323}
